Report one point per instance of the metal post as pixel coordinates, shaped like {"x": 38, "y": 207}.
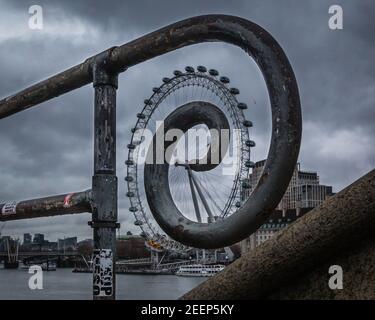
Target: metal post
{"x": 104, "y": 185}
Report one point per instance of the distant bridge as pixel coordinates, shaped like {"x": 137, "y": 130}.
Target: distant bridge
{"x": 42, "y": 253}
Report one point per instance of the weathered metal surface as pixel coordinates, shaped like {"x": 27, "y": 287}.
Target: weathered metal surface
{"x": 332, "y": 229}
{"x": 156, "y": 178}
{"x": 286, "y": 127}
{"x": 44, "y": 207}
{"x": 104, "y": 183}
{"x": 104, "y": 121}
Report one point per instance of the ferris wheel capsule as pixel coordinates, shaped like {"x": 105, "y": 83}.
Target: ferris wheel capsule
{"x": 242, "y": 106}
{"x": 213, "y": 72}
{"x": 224, "y": 80}
{"x": 202, "y": 69}
{"x": 189, "y": 69}
{"x": 247, "y": 123}
{"x": 250, "y": 143}
{"x": 234, "y": 91}
{"x": 250, "y": 164}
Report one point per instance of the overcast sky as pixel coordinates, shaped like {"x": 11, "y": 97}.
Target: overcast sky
{"x": 48, "y": 149}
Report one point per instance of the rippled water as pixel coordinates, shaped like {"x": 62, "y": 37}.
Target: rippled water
{"x": 64, "y": 284}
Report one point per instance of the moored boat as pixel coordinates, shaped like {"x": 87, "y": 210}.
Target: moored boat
{"x": 199, "y": 270}
{"x": 49, "y": 266}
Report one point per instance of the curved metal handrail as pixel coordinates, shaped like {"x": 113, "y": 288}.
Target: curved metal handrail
{"x": 102, "y": 69}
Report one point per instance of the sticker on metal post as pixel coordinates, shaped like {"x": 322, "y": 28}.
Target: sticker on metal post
{"x": 9, "y": 208}
{"x": 103, "y": 272}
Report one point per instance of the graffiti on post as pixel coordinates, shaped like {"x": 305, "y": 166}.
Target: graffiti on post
{"x": 103, "y": 272}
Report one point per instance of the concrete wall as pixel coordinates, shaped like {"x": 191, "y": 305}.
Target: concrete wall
{"x": 358, "y": 267}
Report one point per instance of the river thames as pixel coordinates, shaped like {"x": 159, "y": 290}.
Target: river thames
{"x": 64, "y": 284}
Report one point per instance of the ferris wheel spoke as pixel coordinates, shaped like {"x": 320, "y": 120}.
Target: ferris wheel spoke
{"x": 203, "y": 199}
{"x": 205, "y": 189}
{"x": 195, "y": 201}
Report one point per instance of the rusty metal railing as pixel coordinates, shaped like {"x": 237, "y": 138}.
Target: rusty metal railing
{"x": 102, "y": 70}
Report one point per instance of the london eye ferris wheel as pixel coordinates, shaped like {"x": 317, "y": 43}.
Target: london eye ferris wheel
{"x": 200, "y": 195}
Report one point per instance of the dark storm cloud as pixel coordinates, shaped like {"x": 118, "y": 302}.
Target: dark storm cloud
{"x": 47, "y": 149}
{"x": 136, "y": 16}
